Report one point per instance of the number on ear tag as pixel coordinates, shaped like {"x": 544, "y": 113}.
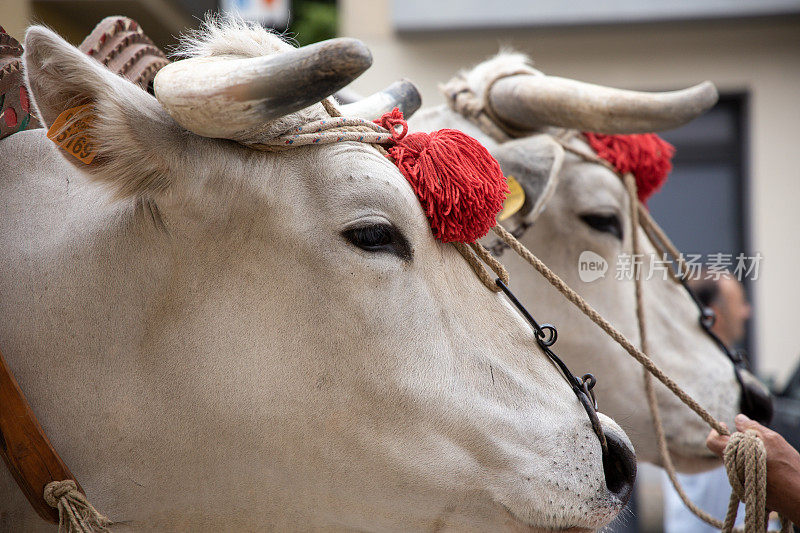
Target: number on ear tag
{"x": 70, "y": 132}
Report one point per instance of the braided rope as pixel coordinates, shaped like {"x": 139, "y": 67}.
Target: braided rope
{"x": 745, "y": 459}
{"x": 327, "y": 131}
{"x": 640, "y": 217}
{"x": 343, "y": 129}
{"x": 463, "y": 101}
{"x": 745, "y": 455}
{"x": 606, "y": 326}
{"x": 490, "y": 260}
{"x": 75, "y": 513}
{"x": 477, "y": 267}
{"x": 652, "y": 402}
{"x": 737, "y": 453}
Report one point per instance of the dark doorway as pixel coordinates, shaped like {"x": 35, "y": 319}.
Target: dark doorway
{"x": 703, "y": 206}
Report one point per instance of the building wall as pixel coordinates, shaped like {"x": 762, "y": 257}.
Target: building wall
{"x": 758, "y": 57}
{"x": 15, "y": 17}
{"x": 162, "y": 20}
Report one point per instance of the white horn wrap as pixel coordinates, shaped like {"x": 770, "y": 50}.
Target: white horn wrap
{"x": 221, "y": 97}
{"x": 532, "y": 102}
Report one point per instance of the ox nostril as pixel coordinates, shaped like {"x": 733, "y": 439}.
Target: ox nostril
{"x": 619, "y": 467}
{"x": 756, "y": 401}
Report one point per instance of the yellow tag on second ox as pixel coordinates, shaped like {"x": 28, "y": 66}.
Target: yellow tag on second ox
{"x": 514, "y": 200}
{"x": 69, "y": 131}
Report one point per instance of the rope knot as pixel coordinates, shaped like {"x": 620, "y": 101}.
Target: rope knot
{"x": 75, "y": 513}
{"x": 742, "y": 457}
{"x": 391, "y": 121}
{"x": 54, "y": 491}
{"x": 745, "y": 459}
{"x": 460, "y": 97}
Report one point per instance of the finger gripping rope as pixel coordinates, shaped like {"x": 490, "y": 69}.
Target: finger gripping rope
{"x": 745, "y": 459}
{"x": 643, "y": 161}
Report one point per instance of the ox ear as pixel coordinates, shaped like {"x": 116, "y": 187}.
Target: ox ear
{"x": 535, "y": 163}
{"x": 134, "y": 141}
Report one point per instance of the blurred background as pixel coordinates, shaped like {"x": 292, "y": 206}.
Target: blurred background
{"x": 736, "y": 184}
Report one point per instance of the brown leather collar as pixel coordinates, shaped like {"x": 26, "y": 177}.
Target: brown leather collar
{"x": 25, "y": 448}
{"x": 120, "y": 44}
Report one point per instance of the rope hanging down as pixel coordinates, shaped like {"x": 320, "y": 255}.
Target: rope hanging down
{"x": 744, "y": 457}
{"x": 641, "y": 217}
{"x": 755, "y": 496}
{"x": 738, "y": 453}
{"x": 75, "y": 513}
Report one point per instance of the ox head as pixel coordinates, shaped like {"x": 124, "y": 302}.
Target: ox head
{"x": 582, "y": 206}
{"x": 312, "y": 357}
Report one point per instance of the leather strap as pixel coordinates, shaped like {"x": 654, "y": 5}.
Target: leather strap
{"x": 25, "y": 448}
{"x": 120, "y": 44}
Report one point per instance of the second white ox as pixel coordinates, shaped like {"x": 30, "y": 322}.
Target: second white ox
{"x": 580, "y": 205}
{"x": 248, "y": 340}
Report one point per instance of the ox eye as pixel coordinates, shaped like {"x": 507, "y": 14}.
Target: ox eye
{"x": 379, "y": 238}
{"x": 607, "y": 223}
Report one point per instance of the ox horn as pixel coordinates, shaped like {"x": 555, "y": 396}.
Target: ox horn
{"x": 531, "y": 102}
{"x": 222, "y": 97}
{"x": 401, "y": 94}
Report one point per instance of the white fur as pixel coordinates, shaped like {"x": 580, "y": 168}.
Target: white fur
{"x": 506, "y": 62}
{"x": 236, "y": 364}
{"x": 221, "y": 36}
{"x": 231, "y": 37}
{"x": 676, "y": 342}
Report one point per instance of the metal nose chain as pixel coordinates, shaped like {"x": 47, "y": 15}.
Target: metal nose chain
{"x": 706, "y": 320}
{"x": 546, "y": 335}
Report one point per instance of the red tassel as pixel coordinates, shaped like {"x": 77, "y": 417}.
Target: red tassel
{"x": 458, "y": 182}
{"x": 647, "y": 156}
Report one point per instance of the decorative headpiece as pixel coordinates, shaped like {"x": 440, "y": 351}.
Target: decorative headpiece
{"x": 647, "y": 156}
{"x": 458, "y": 182}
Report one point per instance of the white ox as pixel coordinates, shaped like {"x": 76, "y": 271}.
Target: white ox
{"x": 243, "y": 340}
{"x": 579, "y": 205}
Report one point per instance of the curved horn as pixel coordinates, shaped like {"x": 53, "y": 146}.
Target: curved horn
{"x": 401, "y": 94}
{"x": 531, "y": 102}
{"x": 347, "y": 96}
{"x": 220, "y": 97}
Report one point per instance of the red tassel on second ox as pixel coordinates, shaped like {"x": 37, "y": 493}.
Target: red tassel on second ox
{"x": 647, "y": 156}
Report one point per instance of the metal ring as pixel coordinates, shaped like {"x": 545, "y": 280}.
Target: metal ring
{"x": 707, "y": 317}
{"x": 588, "y": 381}
{"x": 548, "y": 335}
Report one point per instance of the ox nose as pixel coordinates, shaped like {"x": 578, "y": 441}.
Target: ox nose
{"x": 619, "y": 466}
{"x": 756, "y": 400}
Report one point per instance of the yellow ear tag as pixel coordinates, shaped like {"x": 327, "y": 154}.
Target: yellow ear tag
{"x": 514, "y": 200}
{"x": 69, "y": 131}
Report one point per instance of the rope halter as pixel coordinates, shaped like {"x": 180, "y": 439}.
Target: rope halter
{"x": 744, "y": 458}
{"x": 461, "y": 189}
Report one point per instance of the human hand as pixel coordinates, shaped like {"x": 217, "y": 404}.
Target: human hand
{"x": 783, "y": 466}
